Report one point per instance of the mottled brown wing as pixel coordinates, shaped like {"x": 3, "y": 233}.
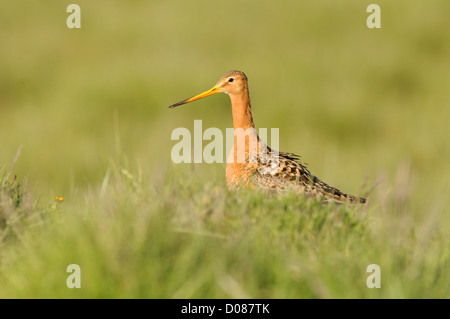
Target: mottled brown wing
{"x": 289, "y": 171}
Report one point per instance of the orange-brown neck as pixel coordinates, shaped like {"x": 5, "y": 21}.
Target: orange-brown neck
{"x": 240, "y": 169}
{"x": 242, "y": 112}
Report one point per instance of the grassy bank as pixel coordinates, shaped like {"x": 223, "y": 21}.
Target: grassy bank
{"x": 138, "y": 238}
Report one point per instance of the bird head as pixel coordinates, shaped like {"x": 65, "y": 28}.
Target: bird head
{"x": 232, "y": 83}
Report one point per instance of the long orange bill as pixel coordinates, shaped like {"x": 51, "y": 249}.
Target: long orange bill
{"x": 211, "y": 91}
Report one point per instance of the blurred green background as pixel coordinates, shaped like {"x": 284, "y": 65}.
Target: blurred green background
{"x": 354, "y": 102}
{"x": 359, "y": 105}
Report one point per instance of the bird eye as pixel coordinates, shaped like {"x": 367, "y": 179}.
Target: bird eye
{"x": 230, "y": 80}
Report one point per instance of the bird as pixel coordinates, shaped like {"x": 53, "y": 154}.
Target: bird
{"x": 254, "y": 164}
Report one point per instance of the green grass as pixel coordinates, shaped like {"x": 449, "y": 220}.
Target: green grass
{"x": 139, "y": 239}
{"x": 89, "y": 107}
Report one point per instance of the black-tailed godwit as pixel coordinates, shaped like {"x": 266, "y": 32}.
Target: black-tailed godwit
{"x": 253, "y": 171}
